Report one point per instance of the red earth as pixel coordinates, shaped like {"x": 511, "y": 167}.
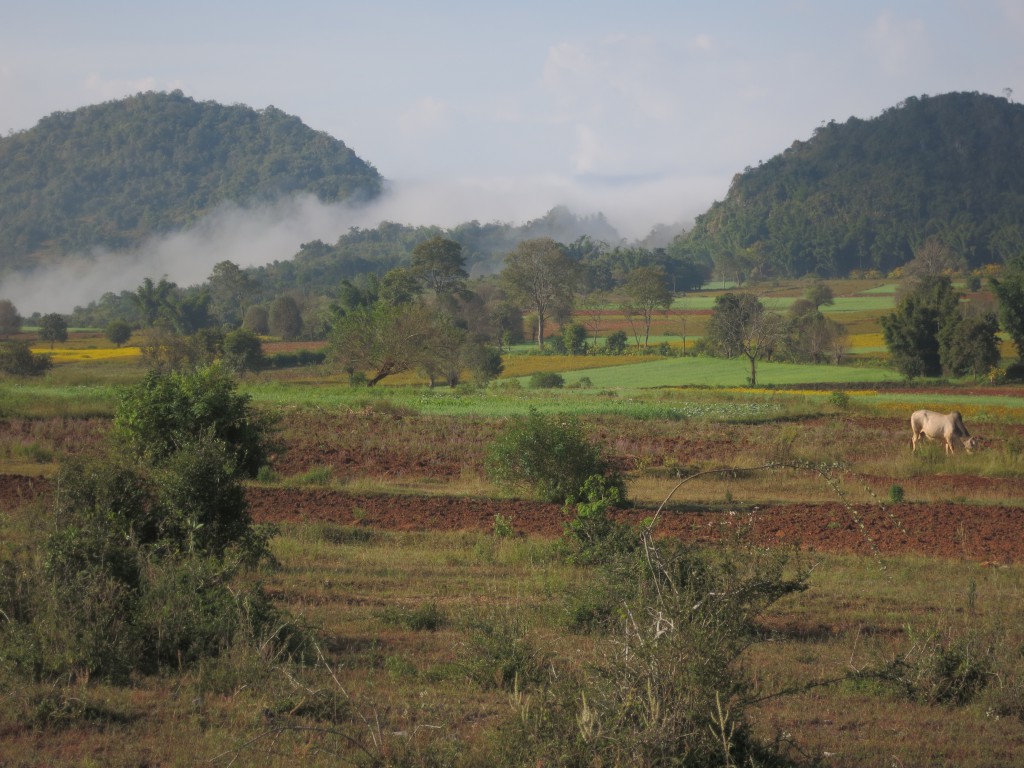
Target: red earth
{"x": 980, "y": 533}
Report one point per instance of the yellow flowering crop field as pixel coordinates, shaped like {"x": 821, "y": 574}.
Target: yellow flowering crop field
{"x": 72, "y": 355}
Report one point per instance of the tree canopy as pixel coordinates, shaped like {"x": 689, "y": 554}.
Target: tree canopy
{"x": 113, "y": 173}
{"x": 864, "y": 194}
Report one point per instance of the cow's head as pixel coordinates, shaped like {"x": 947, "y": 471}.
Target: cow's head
{"x": 971, "y": 444}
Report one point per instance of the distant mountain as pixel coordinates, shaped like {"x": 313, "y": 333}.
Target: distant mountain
{"x": 865, "y": 194}
{"x": 115, "y": 173}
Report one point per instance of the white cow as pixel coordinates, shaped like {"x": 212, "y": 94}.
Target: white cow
{"x": 948, "y": 427}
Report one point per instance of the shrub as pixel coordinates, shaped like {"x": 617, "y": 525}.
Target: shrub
{"x": 503, "y": 527}
{"x": 591, "y": 536}
{"x": 896, "y": 494}
{"x": 500, "y": 653}
{"x": 616, "y": 342}
{"x": 840, "y": 400}
{"x": 167, "y": 412}
{"x": 146, "y": 541}
{"x": 546, "y": 380}
{"x": 547, "y": 455}
{"x": 17, "y": 359}
{"x": 243, "y": 351}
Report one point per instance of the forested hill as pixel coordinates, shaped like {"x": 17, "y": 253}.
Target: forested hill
{"x": 865, "y": 194}
{"x": 114, "y": 173}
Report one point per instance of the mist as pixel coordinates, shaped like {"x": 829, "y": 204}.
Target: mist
{"x": 258, "y": 236}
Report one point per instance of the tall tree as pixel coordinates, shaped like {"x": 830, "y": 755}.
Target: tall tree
{"x": 381, "y": 340}
{"x": 153, "y": 298}
{"x": 285, "y": 319}
{"x": 53, "y": 327}
{"x": 969, "y": 345}
{"x": 911, "y": 331}
{"x": 440, "y": 265}
{"x": 741, "y": 325}
{"x": 231, "y": 293}
{"x": 648, "y": 290}
{"x": 1009, "y": 290}
{"x": 10, "y": 320}
{"x": 540, "y": 276}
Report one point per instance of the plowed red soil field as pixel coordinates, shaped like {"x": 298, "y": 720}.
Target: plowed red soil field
{"x": 981, "y": 533}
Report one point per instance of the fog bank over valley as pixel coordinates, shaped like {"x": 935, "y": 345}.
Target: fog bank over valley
{"x": 257, "y": 236}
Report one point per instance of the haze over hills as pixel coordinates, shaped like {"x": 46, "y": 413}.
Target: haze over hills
{"x": 98, "y": 199}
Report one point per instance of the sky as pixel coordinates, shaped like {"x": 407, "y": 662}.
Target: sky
{"x": 642, "y": 111}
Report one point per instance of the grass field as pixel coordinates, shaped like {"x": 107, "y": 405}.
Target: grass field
{"x": 416, "y": 631}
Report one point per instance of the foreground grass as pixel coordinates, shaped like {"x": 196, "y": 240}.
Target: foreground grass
{"x": 398, "y": 682}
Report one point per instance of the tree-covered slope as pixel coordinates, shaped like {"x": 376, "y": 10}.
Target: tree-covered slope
{"x": 114, "y": 173}
{"x": 865, "y": 194}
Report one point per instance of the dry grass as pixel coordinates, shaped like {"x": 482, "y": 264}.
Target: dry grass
{"x": 403, "y": 692}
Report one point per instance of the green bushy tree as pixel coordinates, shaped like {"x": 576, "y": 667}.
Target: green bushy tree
{"x": 167, "y": 412}
{"x": 548, "y": 456}
{"x": 17, "y": 359}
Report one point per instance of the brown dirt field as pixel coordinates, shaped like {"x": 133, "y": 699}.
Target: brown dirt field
{"x": 990, "y": 534}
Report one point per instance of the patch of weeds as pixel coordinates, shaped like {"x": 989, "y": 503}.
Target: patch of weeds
{"x": 500, "y": 654}
{"x": 56, "y": 709}
{"x": 341, "y": 534}
{"x": 503, "y": 527}
{"x": 399, "y": 666}
{"x": 896, "y": 494}
{"x": 943, "y": 670}
{"x": 322, "y": 475}
{"x": 322, "y": 705}
{"x": 424, "y": 618}
{"x": 267, "y": 475}
{"x": 33, "y": 452}
{"x": 840, "y": 400}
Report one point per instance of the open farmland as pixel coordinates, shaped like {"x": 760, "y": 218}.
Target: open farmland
{"x": 389, "y": 546}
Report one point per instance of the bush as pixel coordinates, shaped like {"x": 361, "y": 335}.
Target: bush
{"x": 549, "y": 456}
{"x": 17, "y": 359}
{"x": 591, "y": 536}
{"x": 546, "y": 380}
{"x": 168, "y": 412}
{"x": 243, "y": 351}
{"x": 616, "y": 342}
{"x": 146, "y": 541}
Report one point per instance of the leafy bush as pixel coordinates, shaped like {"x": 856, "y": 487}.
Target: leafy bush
{"x": 17, "y": 359}
{"x": 549, "y": 456}
{"x": 167, "y": 412}
{"x": 591, "y": 536}
{"x": 146, "y": 542}
{"x": 243, "y": 351}
{"x": 546, "y": 380}
{"x": 840, "y": 400}
{"x": 616, "y": 342}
